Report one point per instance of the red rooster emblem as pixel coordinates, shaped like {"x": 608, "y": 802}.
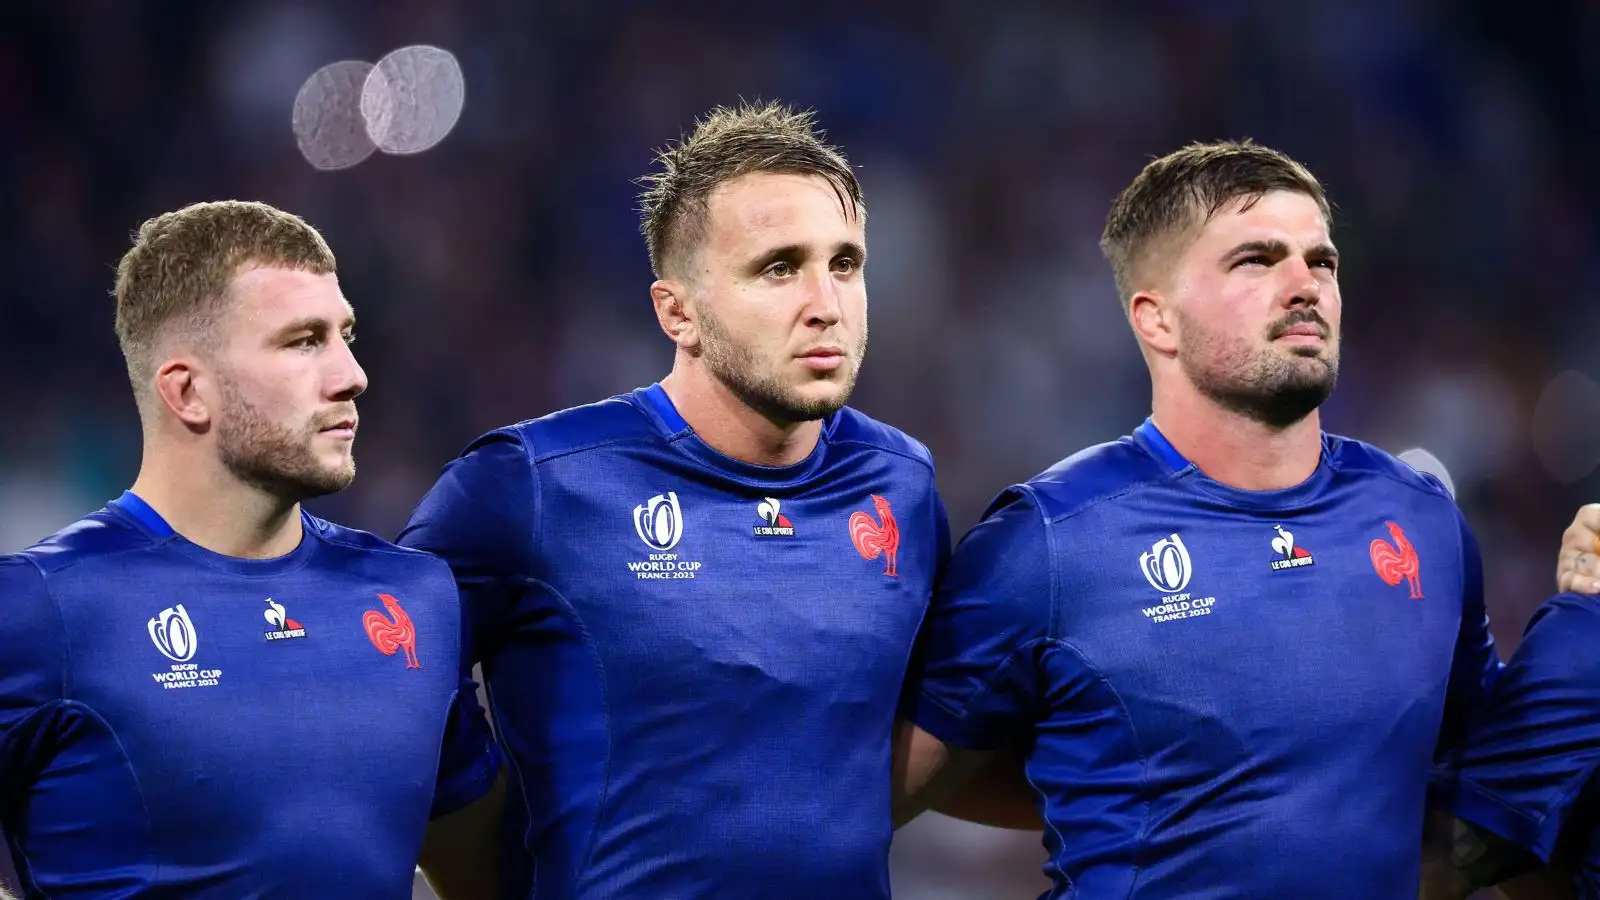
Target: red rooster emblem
{"x": 389, "y": 636}
{"x": 1398, "y": 560}
{"x": 872, "y": 539}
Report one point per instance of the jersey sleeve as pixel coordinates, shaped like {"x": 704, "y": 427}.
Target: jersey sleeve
{"x": 1534, "y": 748}
{"x": 975, "y": 675}
{"x": 32, "y": 673}
{"x": 469, "y": 761}
{"x": 479, "y": 518}
{"x": 941, "y": 532}
{"x": 1475, "y": 666}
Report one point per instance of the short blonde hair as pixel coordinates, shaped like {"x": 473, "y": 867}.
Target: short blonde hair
{"x": 176, "y": 276}
{"x": 1185, "y": 189}
{"x": 727, "y": 143}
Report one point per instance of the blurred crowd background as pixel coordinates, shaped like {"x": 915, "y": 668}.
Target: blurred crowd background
{"x": 500, "y": 275}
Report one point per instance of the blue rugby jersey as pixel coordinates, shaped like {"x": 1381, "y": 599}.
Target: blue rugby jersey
{"x": 1221, "y": 693}
{"x": 178, "y": 723}
{"x": 693, "y": 663}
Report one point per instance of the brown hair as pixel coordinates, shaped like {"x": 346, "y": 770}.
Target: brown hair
{"x": 177, "y": 274}
{"x": 726, "y": 144}
{"x": 1185, "y": 189}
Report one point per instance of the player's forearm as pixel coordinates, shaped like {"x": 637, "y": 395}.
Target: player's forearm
{"x": 1445, "y": 871}
{"x": 461, "y": 854}
{"x": 918, "y": 759}
{"x": 1458, "y": 858}
{"x": 1441, "y": 880}
{"x": 998, "y": 795}
{"x": 927, "y": 771}
{"x": 1546, "y": 884}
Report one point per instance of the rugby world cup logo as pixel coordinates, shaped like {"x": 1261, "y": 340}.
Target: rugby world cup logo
{"x": 173, "y": 634}
{"x": 659, "y": 521}
{"x": 1166, "y": 565}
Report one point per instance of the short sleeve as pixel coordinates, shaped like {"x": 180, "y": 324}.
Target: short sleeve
{"x": 469, "y": 761}
{"x": 31, "y": 672}
{"x": 975, "y": 676}
{"x": 941, "y": 532}
{"x": 1474, "y": 665}
{"x": 479, "y": 518}
{"x": 1533, "y": 749}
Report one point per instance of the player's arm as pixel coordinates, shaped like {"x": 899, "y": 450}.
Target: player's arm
{"x": 31, "y": 680}
{"x": 1475, "y": 666}
{"x": 996, "y": 793}
{"x": 1459, "y": 858}
{"x": 461, "y": 852}
{"x": 973, "y": 683}
{"x": 460, "y": 855}
{"x": 1527, "y": 757}
{"x": 1551, "y": 883}
{"x": 480, "y": 518}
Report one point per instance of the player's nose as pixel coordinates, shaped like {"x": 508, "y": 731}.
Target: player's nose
{"x": 1301, "y": 287}
{"x": 346, "y": 380}
{"x": 824, "y": 306}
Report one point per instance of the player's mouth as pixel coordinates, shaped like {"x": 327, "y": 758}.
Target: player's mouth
{"x": 823, "y": 359}
{"x": 343, "y": 429}
{"x": 1302, "y": 334}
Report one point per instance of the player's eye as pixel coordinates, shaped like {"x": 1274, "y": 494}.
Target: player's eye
{"x": 1256, "y": 260}
{"x": 781, "y": 269}
{"x": 349, "y": 337}
{"x": 846, "y": 265}
{"x": 1330, "y": 264}
{"x": 306, "y": 342}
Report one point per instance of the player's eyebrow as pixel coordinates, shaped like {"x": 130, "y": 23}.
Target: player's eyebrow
{"x": 851, "y": 249}
{"x": 1321, "y": 252}
{"x": 794, "y": 254}
{"x": 1274, "y": 249}
{"x": 1277, "y": 250}
{"x": 314, "y": 324}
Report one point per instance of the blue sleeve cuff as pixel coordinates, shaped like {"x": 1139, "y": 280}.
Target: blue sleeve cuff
{"x": 1473, "y": 804}
{"x": 957, "y": 730}
{"x": 462, "y": 788}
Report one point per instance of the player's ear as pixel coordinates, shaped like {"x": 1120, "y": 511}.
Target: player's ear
{"x": 671, "y": 300}
{"x": 178, "y": 386}
{"x": 1154, "y": 324}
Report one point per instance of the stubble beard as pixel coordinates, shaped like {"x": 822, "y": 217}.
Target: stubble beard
{"x": 740, "y": 369}
{"x": 1260, "y": 383}
{"x": 273, "y": 458}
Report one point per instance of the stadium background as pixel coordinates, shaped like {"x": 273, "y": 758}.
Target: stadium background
{"x": 500, "y": 275}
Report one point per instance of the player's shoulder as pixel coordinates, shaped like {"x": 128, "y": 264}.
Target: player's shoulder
{"x": 1578, "y": 615}
{"x": 614, "y": 420}
{"x": 1558, "y": 641}
{"x": 355, "y": 541}
{"x": 850, "y": 426}
{"x": 101, "y": 533}
{"x": 20, "y": 575}
{"x": 1358, "y": 459}
{"x": 1089, "y": 477}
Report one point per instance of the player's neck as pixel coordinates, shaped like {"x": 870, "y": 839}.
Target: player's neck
{"x": 212, "y": 508}
{"x": 1236, "y": 450}
{"x": 729, "y": 426}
